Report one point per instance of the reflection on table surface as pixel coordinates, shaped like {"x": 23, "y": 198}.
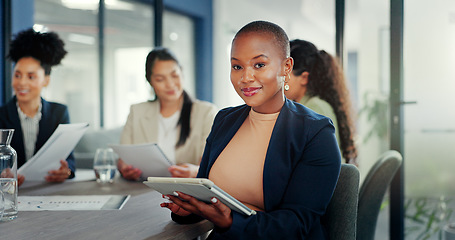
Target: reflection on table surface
{"x": 140, "y": 218}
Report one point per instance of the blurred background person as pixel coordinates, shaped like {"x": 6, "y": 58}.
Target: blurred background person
{"x": 178, "y": 123}
{"x": 317, "y": 81}
{"x": 33, "y": 118}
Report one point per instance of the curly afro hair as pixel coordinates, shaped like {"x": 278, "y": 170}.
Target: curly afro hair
{"x": 47, "y": 48}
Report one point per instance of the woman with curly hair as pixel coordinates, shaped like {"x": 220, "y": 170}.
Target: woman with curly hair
{"x": 33, "y": 118}
{"x": 317, "y": 81}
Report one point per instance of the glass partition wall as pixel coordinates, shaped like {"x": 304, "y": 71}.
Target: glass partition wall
{"x": 367, "y": 61}
{"x": 126, "y": 40}
{"x": 429, "y": 138}
{"x": 128, "y": 34}
{"x": 74, "y": 82}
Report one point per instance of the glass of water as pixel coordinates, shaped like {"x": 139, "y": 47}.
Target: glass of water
{"x": 2, "y": 204}
{"x": 105, "y": 165}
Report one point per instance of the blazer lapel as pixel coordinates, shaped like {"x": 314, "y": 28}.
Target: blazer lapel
{"x": 18, "y": 138}
{"x": 45, "y": 129}
{"x": 278, "y": 162}
{"x": 149, "y": 123}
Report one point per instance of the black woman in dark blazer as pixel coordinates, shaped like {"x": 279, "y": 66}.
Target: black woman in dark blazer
{"x": 33, "y": 118}
{"x": 277, "y": 157}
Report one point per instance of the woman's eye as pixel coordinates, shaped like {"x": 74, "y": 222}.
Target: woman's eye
{"x": 236, "y": 67}
{"x": 259, "y": 65}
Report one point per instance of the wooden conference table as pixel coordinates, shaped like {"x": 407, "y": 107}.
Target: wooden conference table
{"x": 140, "y": 218}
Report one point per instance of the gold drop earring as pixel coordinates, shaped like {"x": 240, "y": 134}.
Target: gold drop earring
{"x": 286, "y": 85}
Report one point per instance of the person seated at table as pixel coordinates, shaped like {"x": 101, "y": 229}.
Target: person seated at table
{"x": 274, "y": 155}
{"x": 317, "y": 81}
{"x": 178, "y": 123}
{"x": 33, "y": 118}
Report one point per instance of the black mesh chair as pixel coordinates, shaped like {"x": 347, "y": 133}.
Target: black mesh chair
{"x": 372, "y": 193}
{"x": 341, "y": 214}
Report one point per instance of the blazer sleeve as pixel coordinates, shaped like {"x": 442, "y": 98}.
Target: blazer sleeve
{"x": 53, "y": 115}
{"x": 70, "y": 159}
{"x": 308, "y": 192}
{"x": 208, "y": 118}
{"x": 127, "y": 132}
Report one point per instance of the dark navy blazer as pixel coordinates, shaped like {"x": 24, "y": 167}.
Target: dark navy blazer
{"x": 301, "y": 170}
{"x": 52, "y": 114}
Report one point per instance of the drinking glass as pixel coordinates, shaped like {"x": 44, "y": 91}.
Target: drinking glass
{"x": 2, "y": 204}
{"x": 8, "y": 175}
{"x": 105, "y": 165}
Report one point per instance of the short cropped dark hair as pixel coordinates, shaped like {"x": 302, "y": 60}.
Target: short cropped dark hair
{"x": 46, "y": 47}
{"x": 279, "y": 35}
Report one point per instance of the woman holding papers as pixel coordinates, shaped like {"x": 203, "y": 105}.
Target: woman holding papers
{"x": 178, "y": 123}
{"x": 274, "y": 155}
{"x": 33, "y": 118}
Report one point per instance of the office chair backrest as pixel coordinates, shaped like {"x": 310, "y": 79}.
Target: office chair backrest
{"x": 372, "y": 193}
{"x": 341, "y": 214}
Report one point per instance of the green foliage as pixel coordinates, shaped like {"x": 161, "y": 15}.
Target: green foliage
{"x": 426, "y": 217}
{"x": 376, "y": 111}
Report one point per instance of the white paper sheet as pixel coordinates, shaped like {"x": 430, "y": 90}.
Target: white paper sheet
{"x": 71, "y": 203}
{"x": 56, "y": 148}
{"x": 83, "y": 175}
{"x": 147, "y": 157}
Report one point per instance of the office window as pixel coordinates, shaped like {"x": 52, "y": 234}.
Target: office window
{"x": 429, "y": 129}
{"x": 178, "y": 35}
{"x": 128, "y": 38}
{"x": 367, "y": 46}
{"x": 74, "y": 82}
{"x": 311, "y": 20}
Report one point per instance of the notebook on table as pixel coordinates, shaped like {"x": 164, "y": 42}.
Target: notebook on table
{"x": 200, "y": 188}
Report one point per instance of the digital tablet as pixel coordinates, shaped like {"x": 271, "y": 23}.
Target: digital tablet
{"x": 200, "y": 188}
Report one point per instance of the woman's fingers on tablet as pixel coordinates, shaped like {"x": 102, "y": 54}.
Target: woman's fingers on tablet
{"x": 187, "y": 202}
{"x": 219, "y": 205}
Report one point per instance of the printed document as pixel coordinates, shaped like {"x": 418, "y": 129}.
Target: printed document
{"x": 57, "y": 147}
{"x": 68, "y": 203}
{"x": 148, "y": 157}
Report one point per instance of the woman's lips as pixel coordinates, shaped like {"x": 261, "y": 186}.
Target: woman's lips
{"x": 22, "y": 92}
{"x": 171, "y": 92}
{"x": 250, "y": 91}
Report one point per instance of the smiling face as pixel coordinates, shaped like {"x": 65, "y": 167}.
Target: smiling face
{"x": 166, "y": 80}
{"x": 28, "y": 80}
{"x": 258, "y": 71}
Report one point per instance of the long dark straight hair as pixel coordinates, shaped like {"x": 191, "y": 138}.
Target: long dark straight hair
{"x": 164, "y": 54}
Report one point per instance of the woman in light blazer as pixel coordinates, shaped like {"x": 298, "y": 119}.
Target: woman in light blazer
{"x": 178, "y": 123}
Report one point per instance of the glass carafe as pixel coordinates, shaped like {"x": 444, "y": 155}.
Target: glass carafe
{"x": 8, "y": 175}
